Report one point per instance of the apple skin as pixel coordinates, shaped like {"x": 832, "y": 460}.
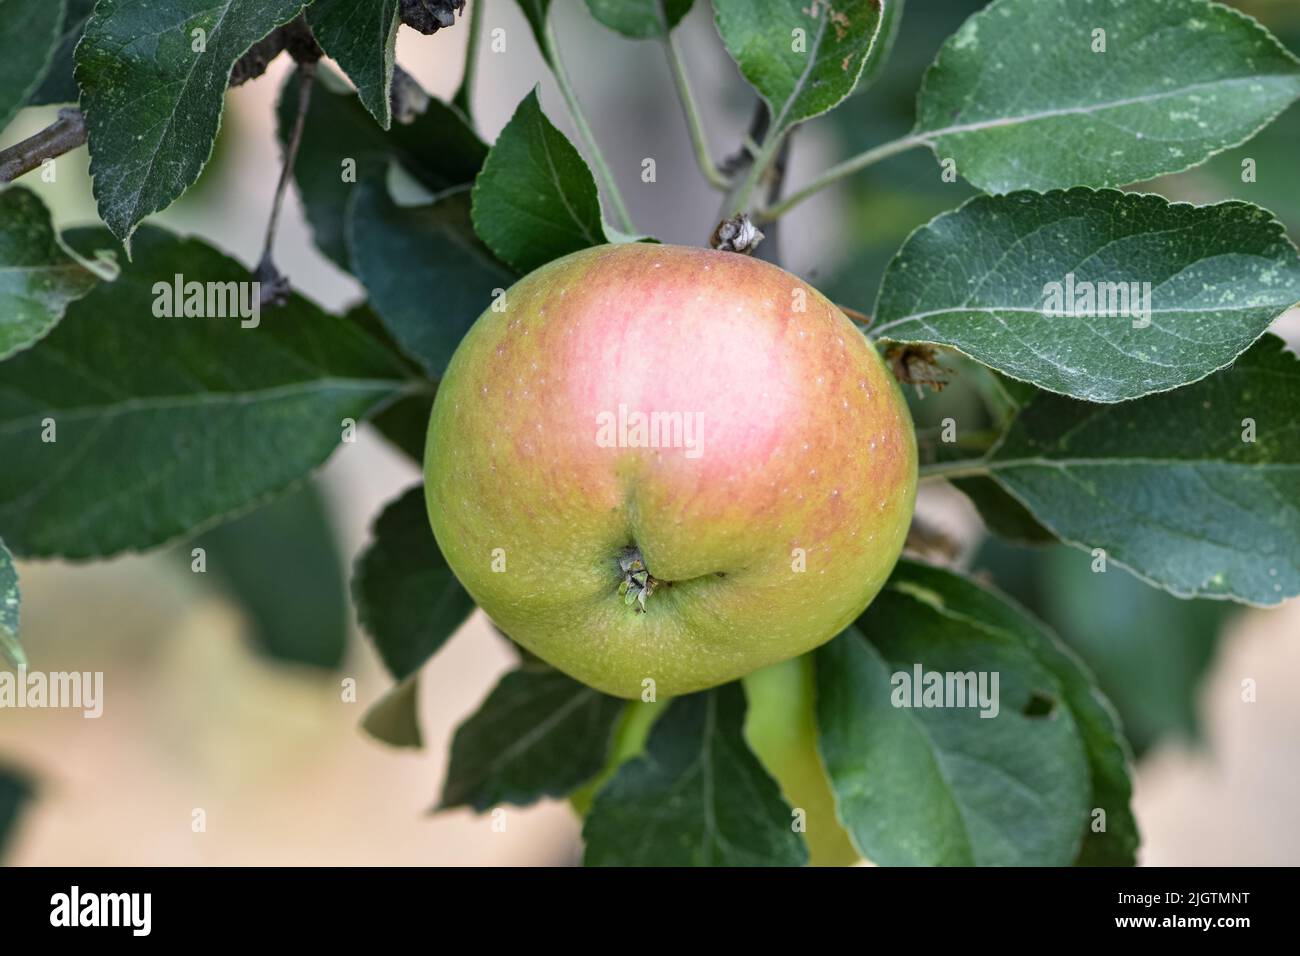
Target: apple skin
{"x": 807, "y": 448}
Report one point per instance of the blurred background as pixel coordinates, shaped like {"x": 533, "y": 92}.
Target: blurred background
{"x": 224, "y": 691}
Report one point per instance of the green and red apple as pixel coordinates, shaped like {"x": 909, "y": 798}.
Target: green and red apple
{"x": 659, "y": 467}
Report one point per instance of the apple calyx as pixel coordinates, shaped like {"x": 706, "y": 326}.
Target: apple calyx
{"x": 638, "y": 583}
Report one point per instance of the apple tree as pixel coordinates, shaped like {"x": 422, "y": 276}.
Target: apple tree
{"x": 1114, "y": 396}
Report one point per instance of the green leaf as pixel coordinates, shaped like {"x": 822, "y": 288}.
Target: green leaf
{"x": 803, "y": 58}
{"x": 27, "y": 45}
{"x": 978, "y": 280}
{"x": 944, "y": 785}
{"x": 164, "y": 426}
{"x": 697, "y": 796}
{"x": 539, "y": 734}
{"x": 1167, "y": 486}
{"x": 15, "y": 791}
{"x": 394, "y": 719}
{"x": 405, "y": 424}
{"x": 407, "y": 598}
{"x": 428, "y": 275}
{"x": 535, "y": 199}
{"x": 10, "y": 649}
{"x": 1020, "y": 100}
{"x": 282, "y": 565}
{"x": 439, "y": 149}
{"x": 153, "y": 102}
{"x": 536, "y": 12}
{"x": 59, "y": 85}
{"x": 1150, "y": 650}
{"x": 891, "y": 18}
{"x": 38, "y": 277}
{"x": 1107, "y": 754}
{"x": 361, "y": 36}
{"x": 640, "y": 19}
{"x": 1002, "y": 514}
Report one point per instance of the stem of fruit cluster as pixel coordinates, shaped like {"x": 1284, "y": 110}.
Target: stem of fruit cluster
{"x": 306, "y": 78}
{"x": 840, "y": 171}
{"x": 948, "y": 470}
{"x": 553, "y": 58}
{"x": 693, "y": 121}
{"x": 461, "y": 99}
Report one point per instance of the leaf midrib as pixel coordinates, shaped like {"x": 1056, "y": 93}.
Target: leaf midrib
{"x": 1088, "y": 109}
{"x": 204, "y": 399}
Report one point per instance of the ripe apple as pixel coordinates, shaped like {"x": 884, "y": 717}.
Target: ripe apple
{"x": 659, "y": 466}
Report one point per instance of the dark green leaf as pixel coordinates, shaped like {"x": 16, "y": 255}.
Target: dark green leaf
{"x": 539, "y": 734}
{"x": 1020, "y": 100}
{"x": 166, "y": 425}
{"x": 27, "y": 43}
{"x": 536, "y": 12}
{"x": 152, "y": 101}
{"x": 697, "y": 797}
{"x": 535, "y": 199}
{"x": 438, "y": 149}
{"x": 10, "y": 649}
{"x": 640, "y": 19}
{"x": 15, "y": 791}
{"x": 38, "y": 278}
{"x": 1167, "y": 486}
{"x": 282, "y": 565}
{"x": 946, "y": 785}
{"x": 1107, "y": 755}
{"x": 1150, "y": 650}
{"x": 394, "y": 719}
{"x": 407, "y": 598}
{"x": 405, "y": 423}
{"x": 428, "y": 275}
{"x": 59, "y": 85}
{"x": 891, "y": 18}
{"x": 361, "y": 36}
{"x": 978, "y": 280}
{"x": 799, "y": 74}
{"x": 1002, "y": 514}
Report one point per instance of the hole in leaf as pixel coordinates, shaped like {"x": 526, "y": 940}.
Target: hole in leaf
{"x": 1039, "y": 705}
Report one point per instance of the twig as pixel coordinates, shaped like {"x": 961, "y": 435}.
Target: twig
{"x": 275, "y": 286}
{"x": 63, "y": 135}
{"x": 553, "y": 58}
{"x": 775, "y": 184}
{"x": 739, "y": 161}
{"x": 693, "y": 121}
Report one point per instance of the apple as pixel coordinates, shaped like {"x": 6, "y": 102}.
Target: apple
{"x": 660, "y": 468}
{"x": 781, "y": 730}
